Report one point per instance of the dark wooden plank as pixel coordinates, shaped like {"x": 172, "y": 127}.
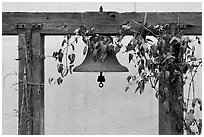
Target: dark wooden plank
{"x": 38, "y": 81}
{"x": 31, "y": 83}
{"x": 104, "y": 22}
{"x": 25, "y": 90}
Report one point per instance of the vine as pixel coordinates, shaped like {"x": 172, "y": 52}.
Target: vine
{"x": 159, "y": 54}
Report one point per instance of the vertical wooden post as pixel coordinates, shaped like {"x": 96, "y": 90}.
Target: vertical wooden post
{"x": 171, "y": 112}
{"x": 31, "y": 83}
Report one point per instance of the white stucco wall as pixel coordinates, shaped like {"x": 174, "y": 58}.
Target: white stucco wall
{"x": 78, "y": 106}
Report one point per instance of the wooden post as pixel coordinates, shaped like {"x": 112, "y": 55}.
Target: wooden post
{"x": 31, "y": 83}
{"x": 171, "y": 108}
{"x": 31, "y": 55}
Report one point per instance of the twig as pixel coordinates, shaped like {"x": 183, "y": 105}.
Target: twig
{"x": 144, "y": 27}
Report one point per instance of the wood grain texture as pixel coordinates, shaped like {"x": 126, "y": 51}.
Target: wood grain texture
{"x": 104, "y": 22}
{"x": 31, "y": 84}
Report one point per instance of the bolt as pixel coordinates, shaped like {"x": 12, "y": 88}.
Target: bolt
{"x": 101, "y": 9}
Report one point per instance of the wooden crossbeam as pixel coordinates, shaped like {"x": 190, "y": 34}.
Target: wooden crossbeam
{"x": 103, "y": 22}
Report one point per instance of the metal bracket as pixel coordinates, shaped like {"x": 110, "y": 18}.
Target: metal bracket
{"x": 178, "y": 25}
{"x": 30, "y": 26}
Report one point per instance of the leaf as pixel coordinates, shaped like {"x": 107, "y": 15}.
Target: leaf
{"x": 71, "y": 57}
{"x": 138, "y": 87}
{"x": 193, "y": 58}
{"x": 73, "y": 47}
{"x": 175, "y": 38}
{"x": 76, "y": 39}
{"x": 103, "y": 48}
{"x": 130, "y": 47}
{"x": 85, "y": 39}
{"x": 85, "y": 50}
{"x": 103, "y": 56}
{"x": 190, "y": 67}
{"x": 130, "y": 57}
{"x": 166, "y": 90}
{"x": 193, "y": 50}
{"x": 65, "y": 71}
{"x": 94, "y": 53}
{"x": 83, "y": 30}
{"x": 128, "y": 78}
{"x": 59, "y": 80}
{"x": 166, "y": 105}
{"x": 54, "y": 54}
{"x": 50, "y": 80}
{"x": 70, "y": 68}
{"x": 167, "y": 74}
{"x": 63, "y": 42}
{"x": 169, "y": 56}
{"x": 199, "y": 41}
{"x": 76, "y": 31}
{"x": 189, "y": 118}
{"x": 126, "y": 88}
{"x": 149, "y": 40}
{"x": 197, "y": 100}
{"x": 60, "y": 55}
{"x": 60, "y": 68}
{"x": 126, "y": 26}
{"x": 117, "y": 49}
{"x": 142, "y": 86}
{"x": 92, "y": 31}
{"x": 140, "y": 68}
{"x": 157, "y": 95}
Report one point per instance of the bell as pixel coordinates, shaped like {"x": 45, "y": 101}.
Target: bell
{"x": 109, "y": 64}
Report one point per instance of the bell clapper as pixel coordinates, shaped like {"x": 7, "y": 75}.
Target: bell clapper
{"x": 101, "y": 79}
